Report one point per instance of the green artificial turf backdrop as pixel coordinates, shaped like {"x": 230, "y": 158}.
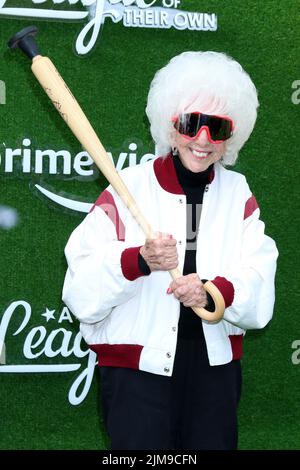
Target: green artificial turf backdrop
{"x": 111, "y": 83}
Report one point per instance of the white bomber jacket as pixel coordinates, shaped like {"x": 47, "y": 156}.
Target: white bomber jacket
{"x": 127, "y": 317}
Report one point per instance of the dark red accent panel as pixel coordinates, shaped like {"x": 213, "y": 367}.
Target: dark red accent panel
{"x": 166, "y": 174}
{"x": 118, "y": 355}
{"x": 250, "y": 206}
{"x": 211, "y": 176}
{"x": 107, "y": 203}
{"x": 226, "y": 288}
{"x": 130, "y": 263}
{"x": 236, "y": 346}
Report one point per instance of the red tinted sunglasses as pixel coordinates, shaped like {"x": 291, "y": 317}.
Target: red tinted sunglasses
{"x": 190, "y": 125}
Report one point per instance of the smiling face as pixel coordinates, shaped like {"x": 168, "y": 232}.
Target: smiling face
{"x": 197, "y": 155}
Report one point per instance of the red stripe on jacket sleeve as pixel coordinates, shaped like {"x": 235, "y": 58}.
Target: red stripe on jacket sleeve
{"x": 226, "y": 288}
{"x": 250, "y": 206}
{"x": 130, "y": 263}
{"x": 107, "y": 203}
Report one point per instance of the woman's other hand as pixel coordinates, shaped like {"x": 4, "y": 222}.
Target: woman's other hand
{"x": 189, "y": 290}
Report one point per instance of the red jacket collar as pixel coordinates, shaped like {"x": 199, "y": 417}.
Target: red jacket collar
{"x": 166, "y": 174}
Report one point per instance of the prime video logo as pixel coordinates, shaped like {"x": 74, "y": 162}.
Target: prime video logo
{"x": 27, "y": 161}
{"x": 133, "y": 13}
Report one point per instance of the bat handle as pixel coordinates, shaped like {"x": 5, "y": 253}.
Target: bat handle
{"x": 216, "y": 295}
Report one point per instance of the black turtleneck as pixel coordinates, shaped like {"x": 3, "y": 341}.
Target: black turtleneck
{"x": 193, "y": 185}
{"x": 188, "y": 178}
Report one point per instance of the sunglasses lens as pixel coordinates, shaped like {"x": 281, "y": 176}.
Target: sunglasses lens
{"x": 220, "y": 129}
{"x": 189, "y": 125}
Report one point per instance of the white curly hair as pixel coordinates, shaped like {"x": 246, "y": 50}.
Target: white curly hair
{"x": 209, "y": 82}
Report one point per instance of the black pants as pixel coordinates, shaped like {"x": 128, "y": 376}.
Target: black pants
{"x": 195, "y": 409}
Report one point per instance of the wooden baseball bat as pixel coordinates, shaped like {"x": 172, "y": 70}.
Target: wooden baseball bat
{"x": 71, "y": 112}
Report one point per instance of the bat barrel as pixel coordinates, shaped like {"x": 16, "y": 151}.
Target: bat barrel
{"x": 25, "y": 40}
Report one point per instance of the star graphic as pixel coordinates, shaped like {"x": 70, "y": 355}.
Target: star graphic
{"x": 48, "y": 314}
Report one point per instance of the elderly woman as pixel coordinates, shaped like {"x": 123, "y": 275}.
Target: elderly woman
{"x": 170, "y": 380}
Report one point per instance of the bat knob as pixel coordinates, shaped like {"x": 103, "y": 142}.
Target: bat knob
{"x": 25, "y": 40}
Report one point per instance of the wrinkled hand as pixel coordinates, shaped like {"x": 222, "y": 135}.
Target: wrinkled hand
{"x": 189, "y": 290}
{"x": 160, "y": 253}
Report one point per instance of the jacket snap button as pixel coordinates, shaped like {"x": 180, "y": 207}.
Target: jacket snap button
{"x": 173, "y": 328}
{"x": 168, "y": 354}
{"x": 166, "y": 369}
